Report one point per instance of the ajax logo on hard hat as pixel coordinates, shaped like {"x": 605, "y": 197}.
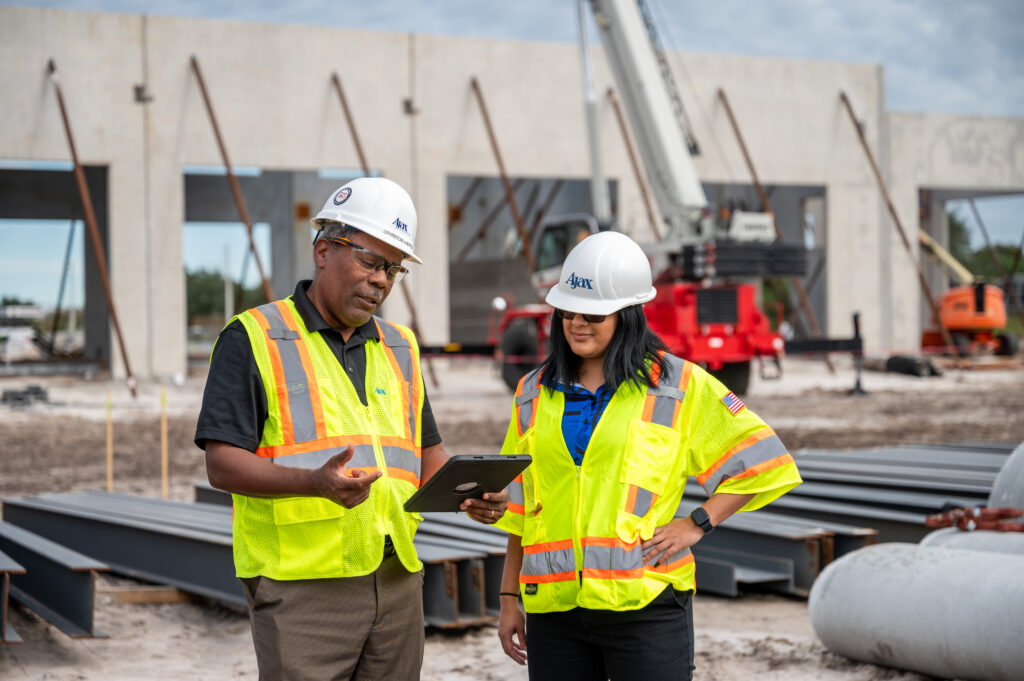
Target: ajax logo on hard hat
{"x": 342, "y": 196}
{"x": 575, "y": 282}
{"x": 401, "y": 225}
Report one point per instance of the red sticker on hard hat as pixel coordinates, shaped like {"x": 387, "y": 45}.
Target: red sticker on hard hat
{"x": 342, "y": 196}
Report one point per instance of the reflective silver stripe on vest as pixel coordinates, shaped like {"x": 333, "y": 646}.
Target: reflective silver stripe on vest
{"x": 525, "y": 401}
{"x": 300, "y": 402}
{"x": 362, "y": 457}
{"x": 757, "y": 453}
{"x": 666, "y": 393}
{"x": 612, "y": 558}
{"x": 662, "y": 562}
{"x": 515, "y": 493}
{"x": 546, "y": 563}
{"x": 644, "y": 501}
{"x": 404, "y": 459}
{"x": 402, "y": 350}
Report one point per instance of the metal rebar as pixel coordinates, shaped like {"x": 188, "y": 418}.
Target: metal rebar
{"x": 798, "y": 286}
{"x": 402, "y": 286}
{"x": 545, "y": 207}
{"x": 509, "y": 194}
{"x": 60, "y": 292}
{"x": 946, "y": 337}
{"x": 236, "y": 191}
{"x": 94, "y": 231}
{"x": 484, "y": 225}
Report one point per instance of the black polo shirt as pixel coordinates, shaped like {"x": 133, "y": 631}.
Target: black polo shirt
{"x": 235, "y": 402}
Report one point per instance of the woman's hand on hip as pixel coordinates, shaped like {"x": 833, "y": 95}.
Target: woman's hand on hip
{"x": 670, "y": 539}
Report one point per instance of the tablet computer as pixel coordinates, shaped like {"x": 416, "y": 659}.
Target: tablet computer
{"x": 466, "y": 476}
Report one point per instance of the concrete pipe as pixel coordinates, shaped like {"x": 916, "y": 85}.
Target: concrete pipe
{"x": 950, "y": 613}
{"x": 979, "y": 540}
{"x": 1008, "y": 489}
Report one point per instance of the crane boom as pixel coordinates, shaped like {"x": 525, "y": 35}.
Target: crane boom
{"x": 664, "y": 150}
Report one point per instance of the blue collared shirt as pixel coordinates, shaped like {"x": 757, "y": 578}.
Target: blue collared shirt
{"x": 583, "y": 410}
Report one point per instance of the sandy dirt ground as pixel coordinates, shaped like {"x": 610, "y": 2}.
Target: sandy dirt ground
{"x": 60, "y": 446}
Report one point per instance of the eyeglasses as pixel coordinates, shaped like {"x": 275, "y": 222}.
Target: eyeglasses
{"x": 370, "y": 260}
{"x": 592, "y": 318}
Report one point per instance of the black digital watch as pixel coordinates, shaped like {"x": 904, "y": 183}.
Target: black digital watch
{"x": 702, "y": 520}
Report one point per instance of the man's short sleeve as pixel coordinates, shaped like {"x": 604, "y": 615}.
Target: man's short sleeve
{"x": 429, "y": 435}
{"x": 234, "y": 401}
{"x": 731, "y": 450}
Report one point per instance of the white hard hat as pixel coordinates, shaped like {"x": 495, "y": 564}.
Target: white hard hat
{"x": 377, "y": 206}
{"x": 604, "y": 273}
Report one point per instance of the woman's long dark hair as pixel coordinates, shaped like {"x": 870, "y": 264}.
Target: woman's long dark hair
{"x": 624, "y": 358}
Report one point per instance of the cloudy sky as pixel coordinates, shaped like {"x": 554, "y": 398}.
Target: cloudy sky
{"x": 955, "y": 56}
{"x": 952, "y": 56}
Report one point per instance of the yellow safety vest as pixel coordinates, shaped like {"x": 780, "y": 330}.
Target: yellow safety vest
{"x": 313, "y": 413}
{"x": 581, "y": 526}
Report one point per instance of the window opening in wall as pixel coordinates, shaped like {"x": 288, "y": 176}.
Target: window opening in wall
{"x": 220, "y": 277}
{"x": 42, "y": 289}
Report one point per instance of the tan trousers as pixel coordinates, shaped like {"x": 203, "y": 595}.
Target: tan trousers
{"x": 357, "y": 628}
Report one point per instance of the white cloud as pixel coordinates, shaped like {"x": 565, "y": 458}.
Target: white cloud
{"x": 940, "y": 55}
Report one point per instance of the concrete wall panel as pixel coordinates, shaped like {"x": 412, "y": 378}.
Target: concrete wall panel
{"x": 271, "y": 90}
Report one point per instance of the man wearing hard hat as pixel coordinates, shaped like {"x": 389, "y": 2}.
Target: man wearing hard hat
{"x": 316, "y": 420}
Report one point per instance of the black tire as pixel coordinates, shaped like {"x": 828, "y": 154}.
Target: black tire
{"x": 735, "y": 376}
{"x": 1009, "y": 345}
{"x": 520, "y": 339}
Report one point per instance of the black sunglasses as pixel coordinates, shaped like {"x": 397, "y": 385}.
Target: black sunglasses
{"x": 592, "y": 318}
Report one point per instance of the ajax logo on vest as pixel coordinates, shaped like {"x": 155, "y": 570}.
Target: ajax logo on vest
{"x": 380, "y": 391}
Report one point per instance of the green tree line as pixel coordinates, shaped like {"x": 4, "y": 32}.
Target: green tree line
{"x": 979, "y": 261}
{"x": 204, "y": 291}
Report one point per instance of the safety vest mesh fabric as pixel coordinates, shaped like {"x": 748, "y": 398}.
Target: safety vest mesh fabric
{"x": 314, "y": 413}
{"x": 581, "y": 527}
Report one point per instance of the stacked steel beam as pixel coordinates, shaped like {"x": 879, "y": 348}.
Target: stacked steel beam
{"x": 56, "y": 583}
{"x": 889, "y": 489}
{"x": 189, "y": 546}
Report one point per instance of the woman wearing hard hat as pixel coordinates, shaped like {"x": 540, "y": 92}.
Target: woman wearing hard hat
{"x": 599, "y": 546}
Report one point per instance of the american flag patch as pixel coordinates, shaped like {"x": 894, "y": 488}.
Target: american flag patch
{"x": 733, "y": 404}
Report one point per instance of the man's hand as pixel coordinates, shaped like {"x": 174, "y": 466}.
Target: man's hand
{"x": 335, "y": 482}
{"x": 487, "y": 510}
{"x": 669, "y": 540}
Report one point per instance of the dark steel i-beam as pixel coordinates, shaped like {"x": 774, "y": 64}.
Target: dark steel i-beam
{"x": 58, "y": 583}
{"x": 8, "y": 567}
{"x": 194, "y": 561}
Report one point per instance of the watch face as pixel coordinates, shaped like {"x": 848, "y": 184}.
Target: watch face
{"x": 701, "y": 519}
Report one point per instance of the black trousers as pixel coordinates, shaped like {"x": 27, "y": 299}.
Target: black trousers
{"x": 654, "y": 643}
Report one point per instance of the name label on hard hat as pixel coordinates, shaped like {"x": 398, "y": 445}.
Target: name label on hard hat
{"x": 579, "y": 282}
{"x": 342, "y": 196}
{"x": 401, "y": 225}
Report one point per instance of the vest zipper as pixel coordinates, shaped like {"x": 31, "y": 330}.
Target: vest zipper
{"x": 577, "y": 538}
